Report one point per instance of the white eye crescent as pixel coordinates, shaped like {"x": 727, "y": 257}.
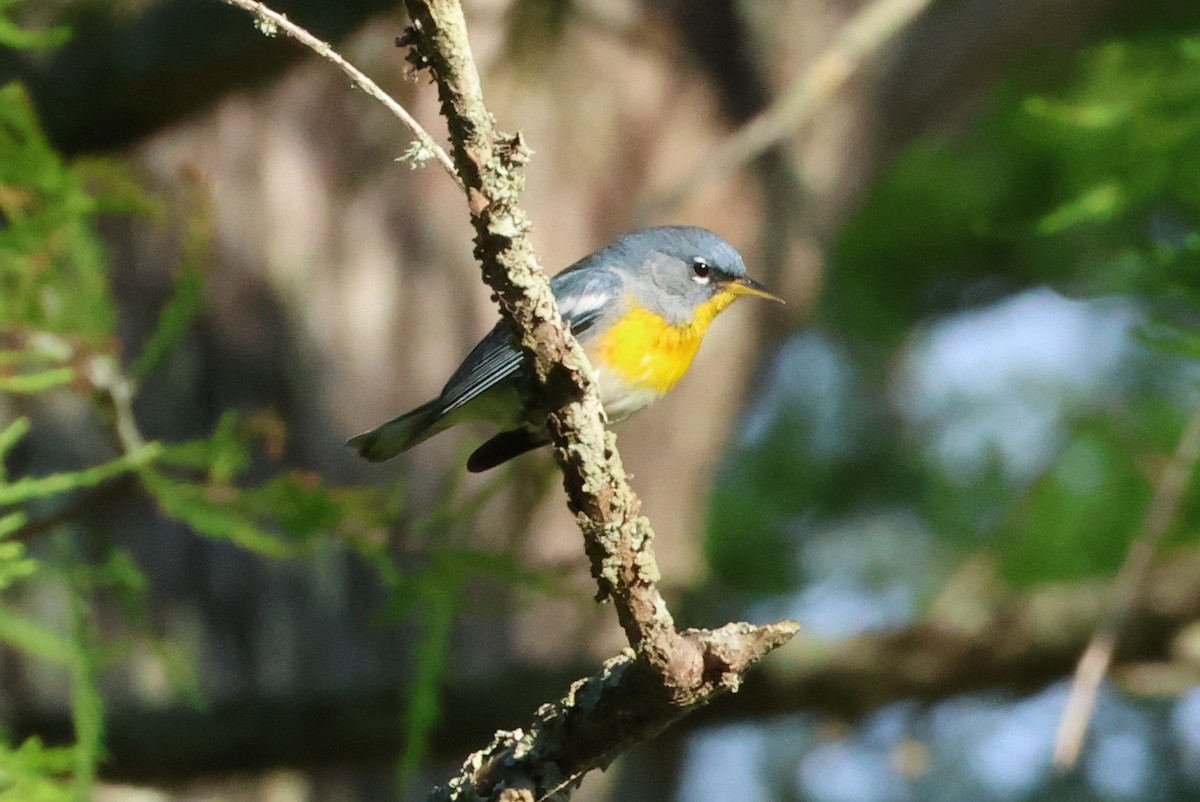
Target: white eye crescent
{"x": 700, "y": 270}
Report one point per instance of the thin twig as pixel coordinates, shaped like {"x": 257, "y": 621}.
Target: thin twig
{"x": 865, "y": 34}
{"x": 115, "y": 391}
{"x": 1126, "y": 588}
{"x": 269, "y": 21}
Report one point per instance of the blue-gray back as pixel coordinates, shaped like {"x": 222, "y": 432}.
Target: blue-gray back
{"x": 585, "y": 291}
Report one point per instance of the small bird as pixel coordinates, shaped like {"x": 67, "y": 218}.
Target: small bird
{"x": 639, "y": 307}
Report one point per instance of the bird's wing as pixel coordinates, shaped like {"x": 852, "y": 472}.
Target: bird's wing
{"x": 585, "y": 295}
{"x": 582, "y": 295}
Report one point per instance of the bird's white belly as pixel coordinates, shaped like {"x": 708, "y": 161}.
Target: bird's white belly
{"x": 621, "y": 399}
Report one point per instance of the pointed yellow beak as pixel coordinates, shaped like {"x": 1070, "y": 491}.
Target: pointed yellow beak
{"x": 748, "y": 286}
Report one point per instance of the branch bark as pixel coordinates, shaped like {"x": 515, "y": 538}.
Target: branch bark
{"x": 1127, "y": 586}
{"x": 874, "y": 25}
{"x": 985, "y": 638}
{"x": 667, "y": 672}
{"x": 269, "y": 21}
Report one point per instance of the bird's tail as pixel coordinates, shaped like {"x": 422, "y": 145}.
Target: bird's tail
{"x": 399, "y": 434}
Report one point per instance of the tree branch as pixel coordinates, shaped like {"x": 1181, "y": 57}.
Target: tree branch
{"x": 99, "y": 374}
{"x": 1123, "y": 596}
{"x": 669, "y": 672}
{"x": 873, "y": 26}
{"x": 666, "y": 673}
{"x": 269, "y": 21}
{"x": 617, "y": 539}
{"x": 988, "y": 639}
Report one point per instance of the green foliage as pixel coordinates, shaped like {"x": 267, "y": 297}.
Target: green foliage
{"x": 32, "y": 638}
{"x": 55, "y": 308}
{"x": 1084, "y": 176}
{"x": 281, "y": 517}
{"x": 175, "y": 319}
{"x": 10, "y": 435}
{"x": 58, "y": 337}
{"x": 15, "y": 564}
{"x": 87, "y": 708}
{"x": 939, "y": 218}
{"x": 56, "y": 324}
{"x": 431, "y": 594}
{"x": 32, "y": 772}
{"x": 805, "y": 468}
{"x": 188, "y": 300}
{"x": 29, "y": 488}
{"x": 38, "y": 382}
{"x": 52, "y": 267}
{"x": 749, "y": 507}
{"x": 223, "y": 456}
{"x": 35, "y": 364}
{"x": 430, "y": 658}
{"x": 18, "y": 38}
{"x": 1079, "y": 518}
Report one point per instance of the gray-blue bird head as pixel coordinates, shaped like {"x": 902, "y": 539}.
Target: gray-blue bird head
{"x": 685, "y": 274}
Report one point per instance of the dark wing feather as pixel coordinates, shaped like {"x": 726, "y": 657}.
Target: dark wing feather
{"x": 503, "y": 447}
{"x": 490, "y": 362}
{"x": 583, "y": 297}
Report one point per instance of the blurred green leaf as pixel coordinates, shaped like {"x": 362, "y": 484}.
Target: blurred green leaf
{"x": 280, "y": 518}
{"x": 15, "y": 564}
{"x": 36, "y": 382}
{"x": 216, "y": 511}
{"x": 1077, "y": 520}
{"x": 117, "y": 188}
{"x": 18, "y": 38}
{"x": 35, "y": 773}
{"x": 87, "y": 707}
{"x": 1085, "y": 176}
{"x": 174, "y": 320}
{"x": 188, "y": 299}
{"x": 10, "y": 435}
{"x": 53, "y": 266}
{"x": 32, "y": 638}
{"x": 11, "y": 523}
{"x": 223, "y": 455}
{"x": 749, "y": 510}
{"x": 430, "y": 659}
{"x": 28, "y": 488}
{"x": 1097, "y": 204}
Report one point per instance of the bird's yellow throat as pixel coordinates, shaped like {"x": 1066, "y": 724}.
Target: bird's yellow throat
{"x": 646, "y": 350}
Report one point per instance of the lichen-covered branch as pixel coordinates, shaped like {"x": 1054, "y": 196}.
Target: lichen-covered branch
{"x": 602, "y": 715}
{"x": 617, "y": 538}
{"x": 678, "y": 670}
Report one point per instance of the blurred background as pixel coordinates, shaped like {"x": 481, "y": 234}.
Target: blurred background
{"x": 214, "y": 269}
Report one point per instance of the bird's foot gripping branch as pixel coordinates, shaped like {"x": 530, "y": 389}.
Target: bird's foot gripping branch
{"x": 666, "y": 673}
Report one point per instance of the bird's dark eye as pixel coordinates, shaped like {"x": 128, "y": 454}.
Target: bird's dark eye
{"x": 700, "y": 270}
